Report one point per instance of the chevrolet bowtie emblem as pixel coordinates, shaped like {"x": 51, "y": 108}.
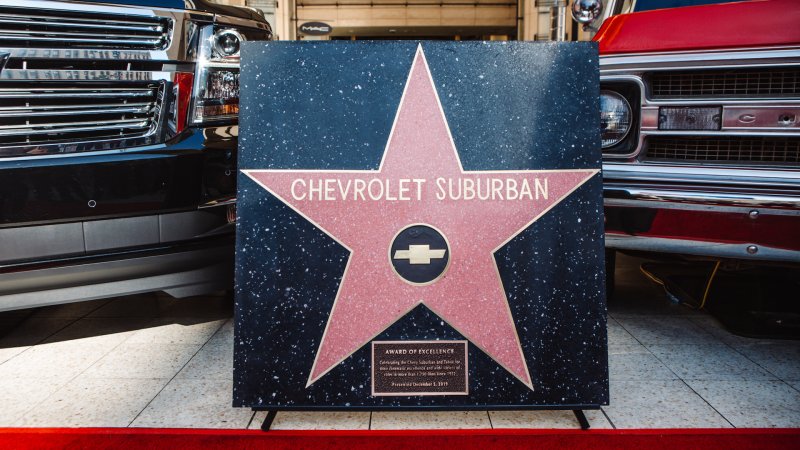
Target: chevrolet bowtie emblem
{"x": 419, "y": 254}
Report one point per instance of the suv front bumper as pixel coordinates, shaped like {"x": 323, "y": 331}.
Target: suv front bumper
{"x": 181, "y": 270}
{"x": 87, "y": 226}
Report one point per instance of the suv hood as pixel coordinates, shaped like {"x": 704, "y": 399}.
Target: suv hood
{"x": 761, "y": 23}
{"x": 197, "y": 5}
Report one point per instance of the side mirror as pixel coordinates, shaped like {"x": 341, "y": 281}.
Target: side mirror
{"x": 586, "y": 11}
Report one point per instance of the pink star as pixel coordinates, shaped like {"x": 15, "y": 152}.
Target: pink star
{"x": 420, "y": 157}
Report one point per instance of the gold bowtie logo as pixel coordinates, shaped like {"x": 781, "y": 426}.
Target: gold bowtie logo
{"x": 419, "y": 254}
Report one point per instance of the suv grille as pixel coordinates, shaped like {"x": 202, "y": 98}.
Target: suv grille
{"x": 48, "y": 113}
{"x": 725, "y": 149}
{"x": 37, "y": 28}
{"x": 726, "y": 83}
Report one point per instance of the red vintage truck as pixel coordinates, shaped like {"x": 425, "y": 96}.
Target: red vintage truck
{"x": 700, "y": 117}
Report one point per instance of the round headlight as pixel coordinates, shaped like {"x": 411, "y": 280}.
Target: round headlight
{"x": 615, "y": 118}
{"x": 227, "y": 42}
{"x": 585, "y": 11}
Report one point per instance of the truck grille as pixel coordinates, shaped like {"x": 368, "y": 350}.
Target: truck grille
{"x": 37, "y": 28}
{"x": 774, "y": 150}
{"x": 784, "y": 82}
{"x": 48, "y": 113}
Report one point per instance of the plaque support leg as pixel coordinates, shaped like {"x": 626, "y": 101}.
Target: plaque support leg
{"x": 581, "y": 419}
{"x": 267, "y": 423}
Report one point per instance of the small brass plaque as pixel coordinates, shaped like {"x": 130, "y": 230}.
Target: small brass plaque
{"x": 419, "y": 368}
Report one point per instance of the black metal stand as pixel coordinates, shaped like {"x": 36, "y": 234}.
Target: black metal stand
{"x": 271, "y": 413}
{"x": 267, "y": 423}
{"x": 581, "y": 419}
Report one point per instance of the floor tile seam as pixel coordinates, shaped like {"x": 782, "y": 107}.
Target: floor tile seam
{"x": 629, "y": 333}
{"x": 650, "y": 352}
{"x": 200, "y": 346}
{"x": 745, "y": 403}
{"x": 729, "y": 344}
{"x": 23, "y": 351}
{"x": 682, "y": 380}
{"x": 689, "y": 343}
{"x": 205, "y": 344}
{"x": 789, "y": 382}
{"x": 723, "y": 344}
{"x": 78, "y": 376}
{"x": 703, "y": 329}
{"x": 86, "y": 316}
{"x": 784, "y": 382}
{"x": 620, "y": 316}
{"x": 108, "y": 301}
{"x": 174, "y": 376}
{"x": 753, "y": 361}
{"x": 61, "y": 385}
{"x": 194, "y": 378}
{"x": 679, "y": 377}
{"x": 218, "y": 331}
{"x": 729, "y": 379}
{"x": 708, "y": 403}
{"x": 101, "y": 357}
{"x": 70, "y": 322}
{"x": 699, "y": 328}
{"x": 70, "y": 380}
{"x": 610, "y": 318}
{"x": 154, "y": 319}
{"x": 687, "y": 313}
{"x": 489, "y": 416}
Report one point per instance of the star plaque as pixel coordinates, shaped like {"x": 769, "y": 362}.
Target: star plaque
{"x": 458, "y": 263}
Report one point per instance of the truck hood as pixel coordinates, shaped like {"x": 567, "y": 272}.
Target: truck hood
{"x": 197, "y": 5}
{"x": 760, "y": 23}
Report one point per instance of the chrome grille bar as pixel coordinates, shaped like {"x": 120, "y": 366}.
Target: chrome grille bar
{"x": 41, "y": 113}
{"x": 72, "y": 127}
{"x": 59, "y": 93}
{"x": 69, "y": 109}
{"x": 69, "y": 40}
{"x": 99, "y": 35}
{"x": 38, "y": 28}
{"x": 87, "y": 22}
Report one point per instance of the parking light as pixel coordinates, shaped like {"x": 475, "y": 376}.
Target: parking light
{"x": 217, "y": 82}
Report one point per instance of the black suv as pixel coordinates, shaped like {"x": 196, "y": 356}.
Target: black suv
{"x": 118, "y": 136}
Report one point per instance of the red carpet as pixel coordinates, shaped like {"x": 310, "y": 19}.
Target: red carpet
{"x": 176, "y": 439}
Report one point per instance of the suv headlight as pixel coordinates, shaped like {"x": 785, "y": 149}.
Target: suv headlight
{"x": 615, "y": 118}
{"x": 226, "y": 43}
{"x": 217, "y": 81}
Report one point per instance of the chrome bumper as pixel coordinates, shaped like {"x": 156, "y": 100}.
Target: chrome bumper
{"x": 715, "y": 250}
{"x": 706, "y": 212}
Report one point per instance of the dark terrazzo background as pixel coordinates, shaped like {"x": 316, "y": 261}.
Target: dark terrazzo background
{"x": 509, "y": 105}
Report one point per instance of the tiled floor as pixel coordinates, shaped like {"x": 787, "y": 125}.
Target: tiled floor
{"x": 153, "y": 361}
